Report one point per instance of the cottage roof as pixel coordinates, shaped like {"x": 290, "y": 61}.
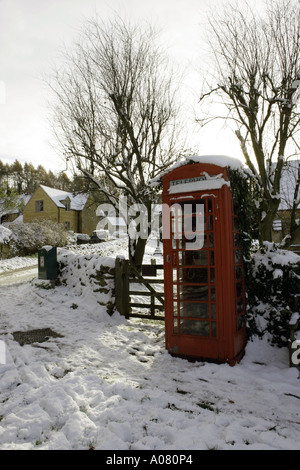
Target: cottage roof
{"x": 78, "y": 201}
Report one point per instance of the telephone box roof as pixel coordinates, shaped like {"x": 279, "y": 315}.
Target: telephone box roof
{"x": 219, "y": 160}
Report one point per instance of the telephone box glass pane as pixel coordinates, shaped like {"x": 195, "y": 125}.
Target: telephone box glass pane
{"x": 194, "y": 258}
{"x": 213, "y": 311}
{"x": 237, "y": 239}
{"x": 194, "y": 292}
{"x": 238, "y": 273}
{"x": 238, "y": 256}
{"x": 240, "y": 322}
{"x": 174, "y": 291}
{"x": 194, "y": 310}
{"x": 212, "y": 293}
{"x": 239, "y": 306}
{"x": 239, "y": 289}
{"x": 193, "y": 275}
{"x": 194, "y": 327}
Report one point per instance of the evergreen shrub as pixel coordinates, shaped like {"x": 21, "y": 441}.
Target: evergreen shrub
{"x": 273, "y": 292}
{"x": 272, "y": 275}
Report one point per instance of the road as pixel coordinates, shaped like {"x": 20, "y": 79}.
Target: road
{"x": 17, "y": 276}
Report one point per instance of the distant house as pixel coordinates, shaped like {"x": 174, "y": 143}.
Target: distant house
{"x": 76, "y": 212}
{"x": 14, "y": 215}
{"x": 114, "y": 224}
{"x": 287, "y": 189}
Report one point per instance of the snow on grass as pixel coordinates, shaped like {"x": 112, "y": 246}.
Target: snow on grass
{"x": 17, "y": 262}
{"x": 109, "y": 383}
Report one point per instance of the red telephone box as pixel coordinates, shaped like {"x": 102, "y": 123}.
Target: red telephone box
{"x": 203, "y": 265}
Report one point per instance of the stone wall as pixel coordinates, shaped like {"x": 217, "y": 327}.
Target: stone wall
{"x": 91, "y": 273}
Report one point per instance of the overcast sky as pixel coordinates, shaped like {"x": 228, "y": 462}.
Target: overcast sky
{"x": 31, "y": 35}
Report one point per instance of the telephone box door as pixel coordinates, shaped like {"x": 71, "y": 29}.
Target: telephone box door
{"x": 190, "y": 269}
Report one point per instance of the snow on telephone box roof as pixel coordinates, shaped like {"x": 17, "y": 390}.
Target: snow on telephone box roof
{"x": 219, "y": 160}
{"x": 77, "y": 201}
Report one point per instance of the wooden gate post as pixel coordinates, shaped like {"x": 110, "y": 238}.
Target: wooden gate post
{"x": 122, "y": 286}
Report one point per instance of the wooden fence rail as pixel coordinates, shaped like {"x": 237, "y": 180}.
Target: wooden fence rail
{"x": 128, "y": 280}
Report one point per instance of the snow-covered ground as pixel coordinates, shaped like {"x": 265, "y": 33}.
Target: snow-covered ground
{"x": 18, "y": 262}
{"x": 17, "y": 270}
{"x": 108, "y": 383}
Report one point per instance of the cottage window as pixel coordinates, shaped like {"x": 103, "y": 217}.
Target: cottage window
{"x": 39, "y": 206}
{"x": 68, "y": 205}
{"x": 277, "y": 225}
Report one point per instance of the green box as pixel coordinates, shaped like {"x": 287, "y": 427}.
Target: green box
{"x": 47, "y": 263}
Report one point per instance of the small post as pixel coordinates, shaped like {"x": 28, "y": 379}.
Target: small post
{"x": 152, "y": 308}
{"x": 122, "y": 286}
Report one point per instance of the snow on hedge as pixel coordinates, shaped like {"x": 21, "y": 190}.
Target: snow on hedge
{"x": 272, "y": 292}
{"x": 270, "y": 257}
{"x": 5, "y": 235}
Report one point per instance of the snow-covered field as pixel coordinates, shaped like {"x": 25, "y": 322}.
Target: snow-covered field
{"x": 109, "y": 384}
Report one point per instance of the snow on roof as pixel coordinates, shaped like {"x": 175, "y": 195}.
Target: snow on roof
{"x": 220, "y": 160}
{"x": 77, "y": 201}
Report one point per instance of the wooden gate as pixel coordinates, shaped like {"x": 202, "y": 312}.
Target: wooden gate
{"x": 139, "y": 290}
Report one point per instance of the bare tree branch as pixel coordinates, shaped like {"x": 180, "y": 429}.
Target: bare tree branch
{"x": 116, "y": 112}
{"x": 257, "y": 61}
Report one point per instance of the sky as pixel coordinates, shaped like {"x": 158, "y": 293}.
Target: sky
{"x": 32, "y": 34}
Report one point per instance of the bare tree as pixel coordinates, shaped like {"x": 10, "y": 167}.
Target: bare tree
{"x": 256, "y": 59}
{"x": 116, "y": 116}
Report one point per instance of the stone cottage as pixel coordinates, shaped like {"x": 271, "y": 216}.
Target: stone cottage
{"x": 76, "y": 212}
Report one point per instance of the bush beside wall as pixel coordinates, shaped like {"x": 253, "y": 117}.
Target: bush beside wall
{"x": 273, "y": 293}
{"x": 28, "y": 238}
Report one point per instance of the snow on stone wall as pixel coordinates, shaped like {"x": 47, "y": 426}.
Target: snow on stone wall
{"x": 88, "y": 275}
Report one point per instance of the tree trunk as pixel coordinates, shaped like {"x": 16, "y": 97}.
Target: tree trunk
{"x": 265, "y": 230}
{"x": 137, "y": 251}
{"x": 266, "y": 222}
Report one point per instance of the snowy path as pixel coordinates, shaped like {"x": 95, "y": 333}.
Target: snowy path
{"x": 110, "y": 384}
{"x": 16, "y": 276}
